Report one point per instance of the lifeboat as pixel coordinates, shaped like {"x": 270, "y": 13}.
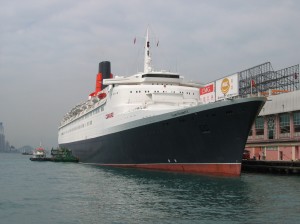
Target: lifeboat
{"x": 102, "y": 96}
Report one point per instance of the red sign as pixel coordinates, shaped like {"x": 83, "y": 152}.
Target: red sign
{"x": 110, "y": 115}
{"x": 207, "y": 89}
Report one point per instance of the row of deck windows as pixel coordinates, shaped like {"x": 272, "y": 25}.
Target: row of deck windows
{"x": 79, "y": 120}
{"x": 77, "y": 127}
{"x": 147, "y": 91}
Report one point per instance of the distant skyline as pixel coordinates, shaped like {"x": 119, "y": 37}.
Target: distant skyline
{"x": 50, "y": 50}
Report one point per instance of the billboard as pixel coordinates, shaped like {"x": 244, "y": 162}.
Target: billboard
{"x": 207, "y": 93}
{"x": 227, "y": 87}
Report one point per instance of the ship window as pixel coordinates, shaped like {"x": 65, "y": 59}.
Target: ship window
{"x": 204, "y": 129}
{"x": 229, "y": 112}
{"x": 160, "y": 76}
{"x": 181, "y": 120}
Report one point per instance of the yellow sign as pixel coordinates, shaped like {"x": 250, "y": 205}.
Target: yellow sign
{"x": 225, "y": 86}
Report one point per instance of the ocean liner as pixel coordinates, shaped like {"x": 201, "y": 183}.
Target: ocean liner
{"x": 155, "y": 120}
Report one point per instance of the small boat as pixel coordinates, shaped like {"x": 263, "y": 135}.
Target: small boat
{"x": 39, "y": 154}
{"x": 27, "y": 153}
{"x": 57, "y": 155}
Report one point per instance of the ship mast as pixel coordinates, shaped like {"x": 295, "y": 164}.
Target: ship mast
{"x": 147, "y": 60}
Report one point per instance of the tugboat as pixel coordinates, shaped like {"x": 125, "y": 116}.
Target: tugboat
{"x": 63, "y": 155}
{"x": 39, "y": 154}
{"x": 57, "y": 155}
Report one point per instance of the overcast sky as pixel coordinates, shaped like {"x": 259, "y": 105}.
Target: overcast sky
{"x": 50, "y": 49}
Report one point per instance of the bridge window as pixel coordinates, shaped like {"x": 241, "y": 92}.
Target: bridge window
{"x": 160, "y": 76}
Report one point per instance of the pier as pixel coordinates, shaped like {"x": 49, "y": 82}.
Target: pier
{"x": 279, "y": 167}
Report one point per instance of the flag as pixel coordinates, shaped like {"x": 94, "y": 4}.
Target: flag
{"x": 252, "y": 84}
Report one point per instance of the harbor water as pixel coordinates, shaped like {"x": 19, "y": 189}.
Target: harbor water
{"x": 48, "y": 192}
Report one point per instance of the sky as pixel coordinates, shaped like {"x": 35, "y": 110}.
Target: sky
{"x": 50, "y": 49}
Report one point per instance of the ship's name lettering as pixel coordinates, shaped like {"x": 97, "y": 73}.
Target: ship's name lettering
{"x": 110, "y": 115}
{"x": 180, "y": 113}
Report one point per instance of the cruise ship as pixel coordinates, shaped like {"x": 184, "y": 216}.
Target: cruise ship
{"x": 156, "y": 120}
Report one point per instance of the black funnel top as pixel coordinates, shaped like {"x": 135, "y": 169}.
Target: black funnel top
{"x": 104, "y": 69}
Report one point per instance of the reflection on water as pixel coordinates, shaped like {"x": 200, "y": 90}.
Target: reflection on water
{"x": 77, "y": 193}
{"x": 174, "y": 197}
{"x": 150, "y": 196}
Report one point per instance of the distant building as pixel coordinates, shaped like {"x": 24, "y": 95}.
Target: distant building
{"x": 2, "y": 138}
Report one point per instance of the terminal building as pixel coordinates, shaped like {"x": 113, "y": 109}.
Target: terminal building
{"x": 275, "y": 134}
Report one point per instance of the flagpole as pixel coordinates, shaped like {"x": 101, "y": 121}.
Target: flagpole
{"x": 147, "y": 59}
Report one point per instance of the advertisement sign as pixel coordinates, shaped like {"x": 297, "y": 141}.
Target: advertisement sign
{"x": 207, "y": 93}
{"x": 227, "y": 87}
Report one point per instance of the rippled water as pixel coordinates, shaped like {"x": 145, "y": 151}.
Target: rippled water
{"x": 46, "y": 192}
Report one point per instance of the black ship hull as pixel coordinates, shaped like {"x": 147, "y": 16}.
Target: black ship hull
{"x": 209, "y": 141}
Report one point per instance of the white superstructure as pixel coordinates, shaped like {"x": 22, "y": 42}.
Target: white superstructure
{"x": 126, "y": 100}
